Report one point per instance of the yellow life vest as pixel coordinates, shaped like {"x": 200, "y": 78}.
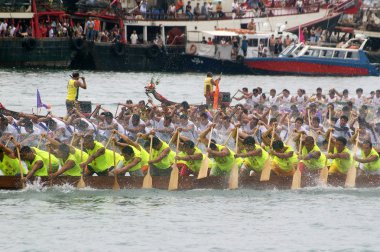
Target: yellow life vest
{"x": 371, "y": 166}
{"x": 137, "y": 154}
{"x": 105, "y": 161}
{"x": 208, "y": 83}
{"x": 72, "y": 91}
{"x": 45, "y": 157}
{"x": 313, "y": 163}
{"x": 341, "y": 164}
{"x": 43, "y": 171}
{"x": 256, "y": 162}
{"x": 76, "y": 170}
{"x": 193, "y": 165}
{"x": 287, "y": 164}
{"x": 167, "y": 161}
{"x": 225, "y": 163}
{"x": 10, "y": 166}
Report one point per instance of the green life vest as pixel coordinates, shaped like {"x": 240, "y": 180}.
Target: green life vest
{"x": 43, "y": 171}
{"x": 225, "y": 163}
{"x": 10, "y": 166}
{"x": 372, "y": 166}
{"x": 105, "y": 161}
{"x": 137, "y": 154}
{"x": 343, "y": 164}
{"x": 45, "y": 157}
{"x": 313, "y": 163}
{"x": 287, "y": 164}
{"x": 167, "y": 161}
{"x": 76, "y": 170}
{"x": 256, "y": 162}
{"x": 193, "y": 165}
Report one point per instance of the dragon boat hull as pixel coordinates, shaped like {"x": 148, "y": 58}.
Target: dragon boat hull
{"x": 189, "y": 183}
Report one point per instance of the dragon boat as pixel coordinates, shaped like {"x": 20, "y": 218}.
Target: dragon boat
{"x": 191, "y": 182}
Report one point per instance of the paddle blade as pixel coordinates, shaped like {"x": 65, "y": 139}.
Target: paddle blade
{"x": 265, "y": 173}
{"x": 296, "y": 183}
{"x": 148, "y": 181}
{"x": 351, "y": 178}
{"x": 116, "y": 186}
{"x": 204, "y": 168}
{"x": 173, "y": 182}
{"x": 323, "y": 176}
{"x": 81, "y": 183}
{"x": 233, "y": 182}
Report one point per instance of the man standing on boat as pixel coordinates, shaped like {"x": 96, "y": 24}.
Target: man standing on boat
{"x": 208, "y": 88}
{"x": 73, "y": 90}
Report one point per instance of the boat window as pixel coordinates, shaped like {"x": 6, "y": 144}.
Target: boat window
{"x": 288, "y": 50}
{"x": 352, "y": 55}
{"x": 253, "y": 43}
{"x": 298, "y": 49}
{"x": 264, "y": 41}
{"x": 339, "y": 54}
{"x": 309, "y": 52}
{"x": 326, "y": 54}
{"x": 316, "y": 53}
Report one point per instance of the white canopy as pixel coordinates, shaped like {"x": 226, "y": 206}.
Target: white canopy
{"x": 221, "y": 33}
{"x": 19, "y": 15}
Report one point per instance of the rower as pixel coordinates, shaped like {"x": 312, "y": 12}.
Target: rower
{"x": 162, "y": 157}
{"x": 190, "y": 158}
{"x": 369, "y": 158}
{"x": 9, "y": 163}
{"x": 342, "y": 157}
{"x": 37, "y": 166}
{"x": 284, "y": 159}
{"x": 254, "y": 156}
{"x": 135, "y": 157}
{"x": 100, "y": 160}
{"x": 311, "y": 155}
{"x": 69, "y": 159}
{"x": 224, "y": 159}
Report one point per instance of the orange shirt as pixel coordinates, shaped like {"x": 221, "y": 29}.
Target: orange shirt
{"x": 96, "y": 25}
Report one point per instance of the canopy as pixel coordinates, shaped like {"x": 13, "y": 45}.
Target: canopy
{"x": 221, "y": 33}
{"x": 18, "y": 15}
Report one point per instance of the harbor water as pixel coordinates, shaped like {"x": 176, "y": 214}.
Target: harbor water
{"x": 67, "y": 219}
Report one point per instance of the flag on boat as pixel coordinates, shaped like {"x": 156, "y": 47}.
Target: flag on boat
{"x": 39, "y": 102}
{"x": 300, "y": 35}
{"x": 216, "y": 95}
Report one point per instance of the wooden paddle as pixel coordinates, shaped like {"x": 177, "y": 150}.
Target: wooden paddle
{"x": 81, "y": 183}
{"x": 116, "y": 186}
{"x": 50, "y": 166}
{"x": 173, "y": 182}
{"x": 205, "y": 162}
{"x": 20, "y": 166}
{"x": 351, "y": 173}
{"x": 265, "y": 173}
{"x": 148, "y": 181}
{"x": 323, "y": 176}
{"x": 296, "y": 183}
{"x": 233, "y": 182}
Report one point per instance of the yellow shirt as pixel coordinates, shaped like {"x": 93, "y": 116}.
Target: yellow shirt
{"x": 287, "y": 164}
{"x": 256, "y": 162}
{"x": 208, "y": 85}
{"x": 313, "y": 163}
{"x": 72, "y": 91}
{"x": 342, "y": 165}
{"x": 371, "y": 166}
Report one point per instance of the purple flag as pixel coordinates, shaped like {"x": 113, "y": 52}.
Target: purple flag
{"x": 39, "y": 102}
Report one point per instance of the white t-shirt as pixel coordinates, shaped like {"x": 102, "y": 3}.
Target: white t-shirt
{"x": 134, "y": 38}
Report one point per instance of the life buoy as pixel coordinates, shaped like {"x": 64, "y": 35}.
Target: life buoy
{"x": 153, "y": 52}
{"x": 79, "y": 44}
{"x": 29, "y": 43}
{"x": 118, "y": 49}
{"x": 193, "y": 49}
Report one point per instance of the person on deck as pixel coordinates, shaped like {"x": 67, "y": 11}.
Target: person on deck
{"x": 342, "y": 157}
{"x": 208, "y": 88}
{"x": 73, "y": 90}
{"x": 254, "y": 156}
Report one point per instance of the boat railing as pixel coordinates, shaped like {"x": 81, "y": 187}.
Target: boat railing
{"x": 159, "y": 14}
